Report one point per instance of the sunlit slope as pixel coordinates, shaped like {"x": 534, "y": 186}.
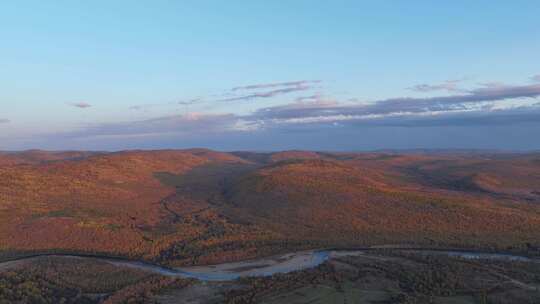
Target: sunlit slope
{"x": 516, "y": 177}
{"x": 327, "y": 199}
{"x": 107, "y": 203}
{"x": 202, "y": 206}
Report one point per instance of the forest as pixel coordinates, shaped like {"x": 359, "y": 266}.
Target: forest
{"x": 200, "y": 207}
{"x": 398, "y": 277}
{"x": 185, "y": 207}
{"x": 377, "y": 276}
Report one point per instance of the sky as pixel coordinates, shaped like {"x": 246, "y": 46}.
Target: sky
{"x": 269, "y": 75}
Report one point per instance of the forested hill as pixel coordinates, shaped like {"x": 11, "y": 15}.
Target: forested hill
{"x": 202, "y": 206}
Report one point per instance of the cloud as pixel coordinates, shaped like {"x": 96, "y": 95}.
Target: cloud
{"x": 479, "y": 106}
{"x": 81, "y": 104}
{"x": 276, "y": 85}
{"x": 502, "y": 91}
{"x": 317, "y": 98}
{"x": 268, "y": 94}
{"x": 449, "y": 85}
{"x": 190, "y": 101}
{"x": 149, "y": 106}
{"x": 316, "y": 121}
{"x": 309, "y": 98}
{"x": 536, "y": 78}
{"x": 279, "y": 88}
{"x": 487, "y": 99}
{"x": 475, "y": 118}
{"x": 4, "y": 120}
{"x": 191, "y": 124}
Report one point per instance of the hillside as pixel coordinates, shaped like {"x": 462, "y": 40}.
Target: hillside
{"x": 335, "y": 201}
{"x": 40, "y": 156}
{"x": 202, "y": 206}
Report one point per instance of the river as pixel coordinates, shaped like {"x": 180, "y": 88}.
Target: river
{"x": 266, "y": 266}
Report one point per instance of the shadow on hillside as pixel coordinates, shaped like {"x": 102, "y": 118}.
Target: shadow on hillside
{"x": 209, "y": 182}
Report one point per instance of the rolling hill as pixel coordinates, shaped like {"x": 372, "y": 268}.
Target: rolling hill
{"x": 201, "y": 206}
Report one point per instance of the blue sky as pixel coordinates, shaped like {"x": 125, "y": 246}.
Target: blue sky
{"x": 330, "y": 75}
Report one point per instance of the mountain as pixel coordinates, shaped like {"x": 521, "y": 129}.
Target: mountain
{"x": 40, "y": 156}
{"x": 357, "y": 204}
{"x": 202, "y": 206}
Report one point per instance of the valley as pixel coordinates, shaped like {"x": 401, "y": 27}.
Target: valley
{"x": 244, "y": 227}
{"x": 361, "y": 276}
{"x": 189, "y": 207}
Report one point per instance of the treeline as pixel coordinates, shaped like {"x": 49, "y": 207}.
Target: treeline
{"x": 142, "y": 292}
{"x": 259, "y": 287}
{"x": 29, "y": 287}
{"x": 62, "y": 280}
{"x": 405, "y": 278}
{"x": 196, "y": 252}
{"x": 87, "y": 275}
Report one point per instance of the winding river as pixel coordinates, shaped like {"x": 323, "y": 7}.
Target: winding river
{"x": 266, "y": 266}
